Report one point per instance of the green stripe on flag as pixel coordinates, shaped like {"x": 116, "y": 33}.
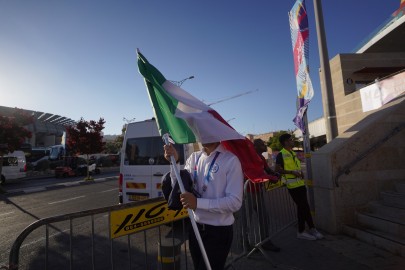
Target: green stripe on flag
{"x": 164, "y": 105}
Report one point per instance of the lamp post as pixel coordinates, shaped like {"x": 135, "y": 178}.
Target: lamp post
{"x": 179, "y": 83}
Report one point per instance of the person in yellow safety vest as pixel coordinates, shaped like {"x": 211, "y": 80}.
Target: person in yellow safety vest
{"x": 289, "y": 166}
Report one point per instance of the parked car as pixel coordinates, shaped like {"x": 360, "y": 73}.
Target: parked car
{"x": 75, "y": 166}
{"x": 14, "y": 167}
{"x": 64, "y": 171}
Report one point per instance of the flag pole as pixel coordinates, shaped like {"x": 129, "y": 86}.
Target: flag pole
{"x": 308, "y": 164}
{"x": 190, "y": 211}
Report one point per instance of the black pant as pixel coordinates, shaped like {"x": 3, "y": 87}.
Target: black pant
{"x": 299, "y": 195}
{"x": 217, "y": 242}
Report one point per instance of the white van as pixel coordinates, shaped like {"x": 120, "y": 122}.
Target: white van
{"x": 14, "y": 167}
{"x": 142, "y": 161}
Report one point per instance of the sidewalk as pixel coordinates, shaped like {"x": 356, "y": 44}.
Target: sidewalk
{"x": 335, "y": 252}
{"x": 51, "y": 173}
{"x": 17, "y": 190}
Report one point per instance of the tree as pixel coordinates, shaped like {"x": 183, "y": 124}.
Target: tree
{"x": 85, "y": 138}
{"x": 12, "y": 132}
{"x": 113, "y": 147}
{"x": 275, "y": 144}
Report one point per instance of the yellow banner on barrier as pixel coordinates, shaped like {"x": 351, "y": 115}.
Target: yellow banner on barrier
{"x": 269, "y": 186}
{"x": 139, "y": 218}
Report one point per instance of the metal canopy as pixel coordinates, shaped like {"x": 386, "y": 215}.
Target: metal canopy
{"x": 43, "y": 122}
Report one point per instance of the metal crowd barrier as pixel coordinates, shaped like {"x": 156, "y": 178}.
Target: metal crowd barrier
{"x": 139, "y": 235}
{"x": 145, "y": 234}
{"x": 266, "y": 211}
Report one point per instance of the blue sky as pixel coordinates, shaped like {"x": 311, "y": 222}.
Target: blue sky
{"x": 77, "y": 58}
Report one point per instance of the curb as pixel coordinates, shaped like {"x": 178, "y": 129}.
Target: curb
{"x": 52, "y": 173}
{"x": 57, "y": 186}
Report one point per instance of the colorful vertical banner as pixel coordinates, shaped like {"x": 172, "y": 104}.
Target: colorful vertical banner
{"x": 398, "y": 13}
{"x": 300, "y": 43}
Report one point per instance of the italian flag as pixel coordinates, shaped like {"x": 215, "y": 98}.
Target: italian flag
{"x": 189, "y": 120}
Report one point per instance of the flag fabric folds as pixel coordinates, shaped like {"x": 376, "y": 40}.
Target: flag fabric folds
{"x": 189, "y": 120}
{"x": 300, "y": 43}
{"x": 178, "y": 113}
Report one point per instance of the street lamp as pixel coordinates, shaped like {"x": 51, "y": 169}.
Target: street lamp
{"x": 128, "y": 120}
{"x": 179, "y": 83}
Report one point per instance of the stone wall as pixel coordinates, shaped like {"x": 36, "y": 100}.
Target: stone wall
{"x": 375, "y": 136}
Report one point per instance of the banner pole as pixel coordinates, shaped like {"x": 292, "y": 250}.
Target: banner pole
{"x": 190, "y": 211}
{"x": 308, "y": 165}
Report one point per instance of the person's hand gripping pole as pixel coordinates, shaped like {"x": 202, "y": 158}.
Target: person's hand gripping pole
{"x": 167, "y": 139}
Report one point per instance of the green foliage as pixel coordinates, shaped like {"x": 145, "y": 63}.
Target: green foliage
{"x": 115, "y": 146}
{"x": 275, "y": 144}
{"x": 119, "y": 140}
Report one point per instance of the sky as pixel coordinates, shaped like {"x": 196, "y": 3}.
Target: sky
{"x": 77, "y": 58}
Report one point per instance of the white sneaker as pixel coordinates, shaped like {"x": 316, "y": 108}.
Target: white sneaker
{"x": 315, "y": 233}
{"x": 305, "y": 235}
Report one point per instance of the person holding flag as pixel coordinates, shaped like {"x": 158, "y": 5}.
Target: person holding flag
{"x": 189, "y": 120}
{"x": 218, "y": 179}
{"x": 218, "y": 170}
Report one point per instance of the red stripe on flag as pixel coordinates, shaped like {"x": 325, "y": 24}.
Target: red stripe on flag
{"x": 252, "y": 165}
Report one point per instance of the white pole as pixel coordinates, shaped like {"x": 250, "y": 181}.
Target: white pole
{"x": 190, "y": 211}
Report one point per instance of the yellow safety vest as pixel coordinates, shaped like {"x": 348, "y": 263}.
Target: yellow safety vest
{"x": 291, "y": 163}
